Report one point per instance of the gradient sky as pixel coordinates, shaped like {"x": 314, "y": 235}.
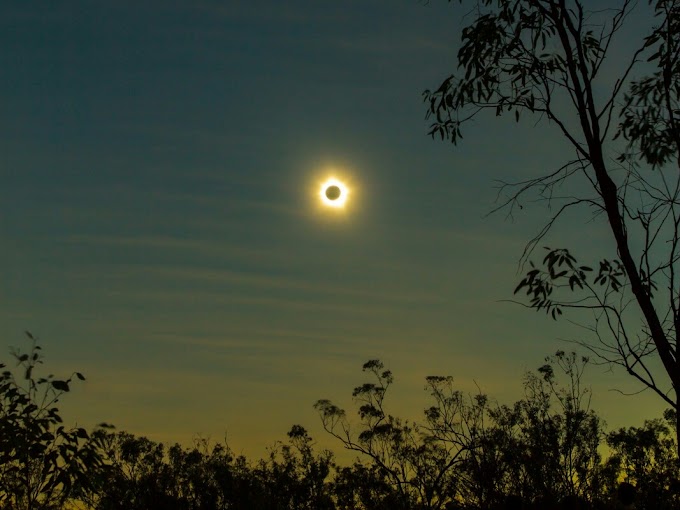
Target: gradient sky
{"x": 160, "y": 229}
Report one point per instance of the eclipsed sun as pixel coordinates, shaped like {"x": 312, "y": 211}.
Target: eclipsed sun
{"x": 333, "y": 193}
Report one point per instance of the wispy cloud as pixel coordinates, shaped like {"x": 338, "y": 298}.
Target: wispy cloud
{"x": 297, "y": 305}
{"x": 266, "y": 282}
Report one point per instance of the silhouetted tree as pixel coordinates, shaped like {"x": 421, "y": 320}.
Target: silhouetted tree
{"x": 534, "y": 56}
{"x": 470, "y": 453}
{"x": 467, "y": 454}
{"x": 646, "y": 457}
{"x": 42, "y": 464}
{"x": 135, "y": 476}
{"x": 543, "y": 447}
{"x": 142, "y": 474}
{"x": 417, "y": 461}
{"x": 294, "y": 477}
{"x": 361, "y": 486}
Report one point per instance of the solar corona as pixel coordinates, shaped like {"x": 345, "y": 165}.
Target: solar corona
{"x": 333, "y": 193}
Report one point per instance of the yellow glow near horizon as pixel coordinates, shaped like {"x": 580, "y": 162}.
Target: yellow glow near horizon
{"x": 327, "y": 190}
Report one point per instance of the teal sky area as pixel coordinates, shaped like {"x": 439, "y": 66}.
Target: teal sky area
{"x": 161, "y": 229}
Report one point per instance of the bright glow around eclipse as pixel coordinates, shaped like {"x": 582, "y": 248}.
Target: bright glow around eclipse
{"x": 333, "y": 193}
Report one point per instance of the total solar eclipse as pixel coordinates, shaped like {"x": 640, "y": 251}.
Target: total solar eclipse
{"x": 333, "y": 193}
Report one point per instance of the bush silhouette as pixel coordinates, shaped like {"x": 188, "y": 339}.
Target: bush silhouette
{"x": 469, "y": 453}
{"x": 42, "y": 464}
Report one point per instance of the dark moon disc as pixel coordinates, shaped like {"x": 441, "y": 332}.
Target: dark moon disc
{"x": 333, "y": 192}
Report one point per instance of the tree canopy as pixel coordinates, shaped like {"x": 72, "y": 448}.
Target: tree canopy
{"x": 531, "y": 57}
{"x": 467, "y": 452}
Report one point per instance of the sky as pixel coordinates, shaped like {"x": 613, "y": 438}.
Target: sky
{"x": 162, "y": 233}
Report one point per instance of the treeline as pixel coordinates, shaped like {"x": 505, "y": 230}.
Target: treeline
{"x": 545, "y": 451}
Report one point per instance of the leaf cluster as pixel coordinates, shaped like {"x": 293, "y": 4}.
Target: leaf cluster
{"x": 42, "y": 463}
{"x": 561, "y": 269}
